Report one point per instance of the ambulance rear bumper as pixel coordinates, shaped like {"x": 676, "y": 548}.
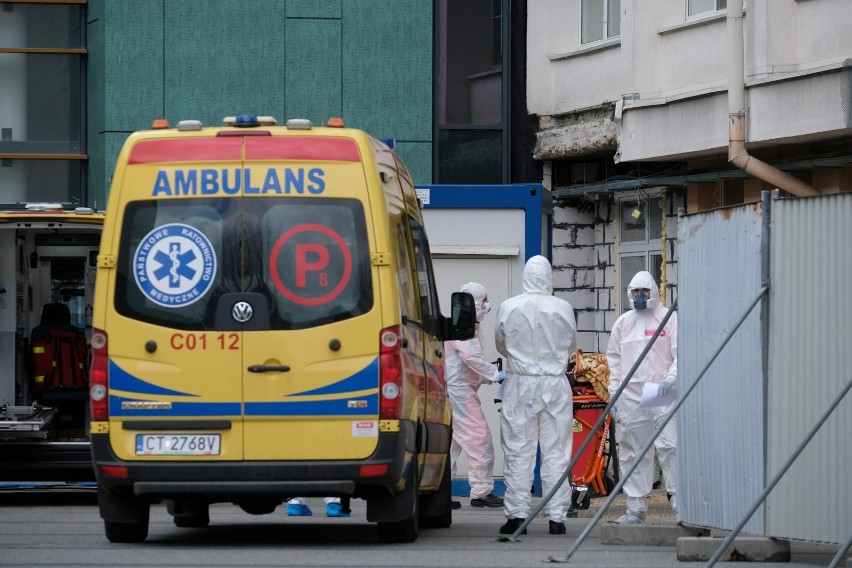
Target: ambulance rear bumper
{"x": 221, "y": 481}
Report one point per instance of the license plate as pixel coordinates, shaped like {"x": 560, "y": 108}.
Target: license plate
{"x": 177, "y": 444}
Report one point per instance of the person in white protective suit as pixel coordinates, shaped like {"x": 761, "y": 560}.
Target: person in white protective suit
{"x": 536, "y": 332}
{"x": 635, "y": 426}
{"x": 467, "y": 370}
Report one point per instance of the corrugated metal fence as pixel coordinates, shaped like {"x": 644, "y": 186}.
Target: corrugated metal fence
{"x": 740, "y": 425}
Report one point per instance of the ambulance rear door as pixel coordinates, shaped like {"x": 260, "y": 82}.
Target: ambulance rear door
{"x": 175, "y": 371}
{"x": 310, "y": 361}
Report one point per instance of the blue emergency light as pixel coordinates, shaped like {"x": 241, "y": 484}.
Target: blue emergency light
{"x": 388, "y": 141}
{"x": 246, "y": 120}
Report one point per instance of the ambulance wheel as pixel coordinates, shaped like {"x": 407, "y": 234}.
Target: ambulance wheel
{"x": 406, "y": 529}
{"x": 441, "y": 500}
{"x": 126, "y": 532}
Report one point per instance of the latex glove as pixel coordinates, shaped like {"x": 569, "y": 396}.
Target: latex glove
{"x": 502, "y": 375}
{"x": 666, "y": 387}
{"x": 614, "y": 413}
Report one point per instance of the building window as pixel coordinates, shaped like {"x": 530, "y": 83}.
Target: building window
{"x": 640, "y": 241}
{"x": 600, "y": 19}
{"x": 699, "y": 7}
{"x": 42, "y": 106}
{"x": 469, "y": 102}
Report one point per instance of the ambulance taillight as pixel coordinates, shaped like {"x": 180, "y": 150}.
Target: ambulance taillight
{"x": 390, "y": 373}
{"x": 99, "y": 377}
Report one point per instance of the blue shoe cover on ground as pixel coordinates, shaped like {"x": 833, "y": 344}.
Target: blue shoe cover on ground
{"x": 298, "y": 510}
{"x": 335, "y": 510}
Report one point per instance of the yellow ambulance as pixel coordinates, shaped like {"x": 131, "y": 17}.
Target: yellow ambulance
{"x": 266, "y": 325}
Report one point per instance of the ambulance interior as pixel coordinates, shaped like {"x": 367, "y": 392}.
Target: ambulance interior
{"x": 47, "y": 276}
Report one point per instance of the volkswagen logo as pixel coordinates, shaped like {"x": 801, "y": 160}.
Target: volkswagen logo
{"x": 242, "y": 312}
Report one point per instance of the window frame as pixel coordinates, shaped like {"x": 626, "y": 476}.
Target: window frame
{"x": 703, "y": 14}
{"x": 646, "y": 248}
{"x": 605, "y": 11}
{"x": 81, "y": 53}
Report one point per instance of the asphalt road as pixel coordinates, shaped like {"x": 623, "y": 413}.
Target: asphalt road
{"x": 59, "y": 528}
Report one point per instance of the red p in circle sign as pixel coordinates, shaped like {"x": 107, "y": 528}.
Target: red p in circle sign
{"x": 310, "y": 263}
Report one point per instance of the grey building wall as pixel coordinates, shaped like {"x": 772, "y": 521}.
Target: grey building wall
{"x": 368, "y": 61}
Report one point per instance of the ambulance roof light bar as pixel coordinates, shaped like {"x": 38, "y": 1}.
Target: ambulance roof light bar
{"x": 43, "y": 207}
{"x": 249, "y": 120}
{"x": 299, "y": 124}
{"x": 185, "y": 125}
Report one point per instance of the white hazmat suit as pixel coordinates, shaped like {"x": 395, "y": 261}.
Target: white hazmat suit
{"x": 630, "y": 334}
{"x": 467, "y": 370}
{"x": 536, "y": 332}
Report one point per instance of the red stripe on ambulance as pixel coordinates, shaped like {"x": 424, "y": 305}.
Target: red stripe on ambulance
{"x": 302, "y": 148}
{"x": 186, "y": 150}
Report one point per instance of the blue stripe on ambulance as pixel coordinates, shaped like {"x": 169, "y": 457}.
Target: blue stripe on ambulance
{"x": 119, "y": 379}
{"x": 351, "y": 399}
{"x": 315, "y": 407}
{"x": 177, "y": 409}
{"x": 365, "y": 379}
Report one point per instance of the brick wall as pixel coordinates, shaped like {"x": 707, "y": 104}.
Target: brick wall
{"x": 584, "y": 263}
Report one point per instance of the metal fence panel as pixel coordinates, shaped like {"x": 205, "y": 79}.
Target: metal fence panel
{"x": 810, "y": 361}
{"x": 721, "y": 433}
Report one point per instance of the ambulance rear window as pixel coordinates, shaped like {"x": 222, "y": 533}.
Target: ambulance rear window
{"x": 307, "y": 257}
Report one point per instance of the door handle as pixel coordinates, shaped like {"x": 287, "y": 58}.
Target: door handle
{"x": 268, "y": 368}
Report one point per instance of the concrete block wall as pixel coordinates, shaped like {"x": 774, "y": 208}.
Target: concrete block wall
{"x": 676, "y": 204}
{"x": 584, "y": 263}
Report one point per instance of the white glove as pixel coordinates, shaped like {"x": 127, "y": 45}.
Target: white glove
{"x": 665, "y": 387}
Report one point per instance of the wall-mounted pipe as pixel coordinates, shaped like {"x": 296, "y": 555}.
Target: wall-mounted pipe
{"x": 737, "y": 153}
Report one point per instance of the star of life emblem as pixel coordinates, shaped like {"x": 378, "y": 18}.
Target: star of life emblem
{"x": 174, "y": 265}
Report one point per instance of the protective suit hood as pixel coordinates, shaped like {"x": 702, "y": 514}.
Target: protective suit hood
{"x": 478, "y": 292}
{"x": 644, "y": 279}
{"x": 538, "y": 276}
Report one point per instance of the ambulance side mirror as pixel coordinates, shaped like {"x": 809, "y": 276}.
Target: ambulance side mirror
{"x": 462, "y": 324}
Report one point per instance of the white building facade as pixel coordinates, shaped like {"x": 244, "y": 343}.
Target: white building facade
{"x": 637, "y": 122}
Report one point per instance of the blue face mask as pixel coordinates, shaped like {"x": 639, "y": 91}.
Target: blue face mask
{"x": 640, "y": 301}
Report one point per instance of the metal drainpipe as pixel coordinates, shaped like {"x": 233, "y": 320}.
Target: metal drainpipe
{"x": 737, "y": 153}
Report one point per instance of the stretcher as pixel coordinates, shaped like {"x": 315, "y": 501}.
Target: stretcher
{"x": 595, "y": 472}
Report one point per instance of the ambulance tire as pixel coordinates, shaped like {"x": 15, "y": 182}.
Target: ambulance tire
{"x": 125, "y": 516}
{"x": 406, "y": 529}
{"x": 126, "y": 532}
{"x": 441, "y": 500}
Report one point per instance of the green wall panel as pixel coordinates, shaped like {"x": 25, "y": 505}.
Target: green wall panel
{"x": 95, "y": 103}
{"x": 313, "y": 70}
{"x": 417, "y": 156}
{"x": 387, "y": 67}
{"x": 113, "y": 141}
{"x": 313, "y": 8}
{"x": 369, "y": 61}
{"x": 224, "y": 58}
{"x": 133, "y": 72}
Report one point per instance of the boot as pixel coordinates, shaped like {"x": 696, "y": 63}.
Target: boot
{"x": 511, "y": 526}
{"x": 557, "y": 527}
